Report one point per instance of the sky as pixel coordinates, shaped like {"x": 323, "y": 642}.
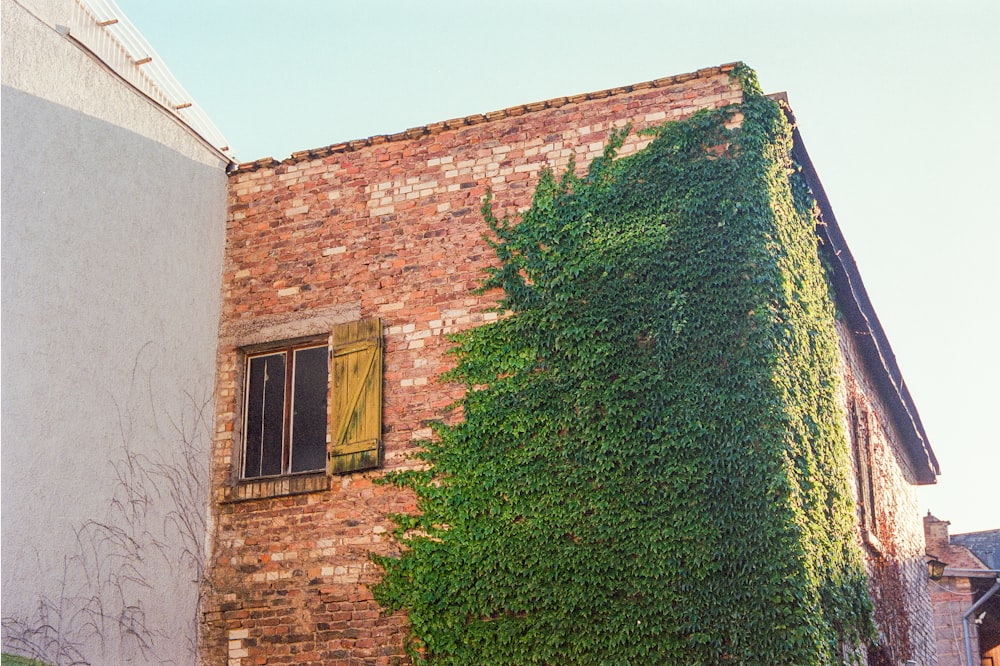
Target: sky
{"x": 897, "y": 102}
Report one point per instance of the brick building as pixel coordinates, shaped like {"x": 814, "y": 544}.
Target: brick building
{"x": 971, "y": 574}
{"x": 369, "y": 250}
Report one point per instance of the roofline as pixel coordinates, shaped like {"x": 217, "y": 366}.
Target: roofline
{"x": 222, "y": 156}
{"x": 977, "y": 532}
{"x": 479, "y": 118}
{"x": 101, "y": 29}
{"x": 848, "y": 286}
{"x": 870, "y": 337}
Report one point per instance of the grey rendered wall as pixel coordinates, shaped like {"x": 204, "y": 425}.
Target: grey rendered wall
{"x": 112, "y": 232}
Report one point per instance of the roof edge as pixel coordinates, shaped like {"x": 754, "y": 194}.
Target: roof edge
{"x": 103, "y": 30}
{"x": 479, "y": 118}
{"x": 869, "y": 335}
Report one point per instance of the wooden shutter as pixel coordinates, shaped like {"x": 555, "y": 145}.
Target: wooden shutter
{"x": 356, "y": 396}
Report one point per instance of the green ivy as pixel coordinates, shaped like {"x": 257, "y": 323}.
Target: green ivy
{"x": 651, "y": 467}
{"x": 15, "y": 660}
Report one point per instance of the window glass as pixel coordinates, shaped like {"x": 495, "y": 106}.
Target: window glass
{"x": 265, "y": 410}
{"x": 308, "y": 431}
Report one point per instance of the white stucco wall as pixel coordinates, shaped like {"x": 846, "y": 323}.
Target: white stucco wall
{"x": 113, "y": 217}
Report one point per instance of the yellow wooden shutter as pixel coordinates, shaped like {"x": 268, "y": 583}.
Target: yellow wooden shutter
{"x": 356, "y": 396}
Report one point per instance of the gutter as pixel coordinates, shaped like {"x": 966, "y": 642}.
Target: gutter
{"x": 64, "y": 31}
{"x": 951, "y": 572}
{"x": 967, "y": 614}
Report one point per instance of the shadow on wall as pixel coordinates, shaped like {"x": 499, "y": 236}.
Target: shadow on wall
{"x": 118, "y": 240}
{"x": 105, "y": 609}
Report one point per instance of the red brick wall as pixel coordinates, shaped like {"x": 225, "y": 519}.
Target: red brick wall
{"x": 894, "y": 549}
{"x": 386, "y": 227}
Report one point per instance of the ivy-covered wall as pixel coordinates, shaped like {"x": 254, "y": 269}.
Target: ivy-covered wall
{"x": 390, "y": 227}
{"x": 651, "y": 466}
{"x": 626, "y": 273}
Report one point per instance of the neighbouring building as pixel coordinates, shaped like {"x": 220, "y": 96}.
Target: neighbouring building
{"x": 971, "y": 576}
{"x": 366, "y": 253}
{"x": 114, "y": 200}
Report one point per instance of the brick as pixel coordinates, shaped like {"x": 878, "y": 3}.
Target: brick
{"x": 389, "y": 227}
{"x": 896, "y": 569}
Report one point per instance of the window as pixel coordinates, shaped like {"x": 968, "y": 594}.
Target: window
{"x": 315, "y": 405}
{"x": 861, "y": 434}
{"x": 286, "y": 411}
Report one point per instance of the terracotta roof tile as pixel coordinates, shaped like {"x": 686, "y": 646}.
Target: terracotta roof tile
{"x": 475, "y": 119}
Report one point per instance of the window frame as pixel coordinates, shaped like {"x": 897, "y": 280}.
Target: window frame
{"x": 867, "y": 495}
{"x": 289, "y": 349}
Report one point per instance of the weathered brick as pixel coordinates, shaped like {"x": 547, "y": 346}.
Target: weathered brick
{"x": 894, "y": 559}
{"x": 390, "y": 227}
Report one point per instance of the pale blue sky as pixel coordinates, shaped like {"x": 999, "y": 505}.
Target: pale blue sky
{"x": 897, "y": 101}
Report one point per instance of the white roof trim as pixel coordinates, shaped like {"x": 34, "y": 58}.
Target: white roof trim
{"x": 104, "y": 29}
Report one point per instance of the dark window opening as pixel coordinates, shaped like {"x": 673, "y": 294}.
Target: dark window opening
{"x": 862, "y": 453}
{"x": 286, "y": 411}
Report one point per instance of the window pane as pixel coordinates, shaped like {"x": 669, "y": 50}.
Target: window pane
{"x": 265, "y": 410}
{"x": 309, "y": 409}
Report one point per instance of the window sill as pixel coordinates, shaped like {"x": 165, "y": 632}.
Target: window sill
{"x": 872, "y": 542}
{"x": 279, "y": 486}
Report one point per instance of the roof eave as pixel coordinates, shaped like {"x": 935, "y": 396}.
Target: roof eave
{"x": 476, "y": 119}
{"x": 853, "y": 301}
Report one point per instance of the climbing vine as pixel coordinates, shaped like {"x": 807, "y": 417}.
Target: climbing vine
{"x": 651, "y": 467}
